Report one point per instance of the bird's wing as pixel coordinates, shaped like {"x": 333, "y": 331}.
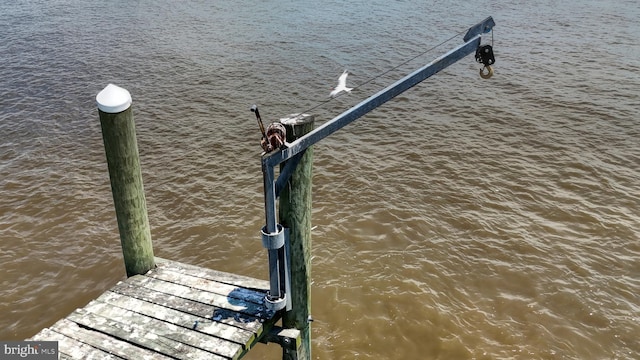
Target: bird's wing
{"x": 342, "y": 80}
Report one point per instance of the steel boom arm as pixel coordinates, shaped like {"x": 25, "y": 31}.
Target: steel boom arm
{"x": 471, "y": 44}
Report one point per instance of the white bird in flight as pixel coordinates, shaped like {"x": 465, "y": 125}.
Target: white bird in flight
{"x": 342, "y": 85}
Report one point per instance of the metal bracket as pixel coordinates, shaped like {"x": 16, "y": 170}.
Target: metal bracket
{"x": 273, "y": 303}
{"x": 287, "y": 170}
{"x": 273, "y": 241}
{"x": 279, "y": 248}
{"x": 480, "y": 28}
{"x": 286, "y": 272}
{"x": 289, "y": 339}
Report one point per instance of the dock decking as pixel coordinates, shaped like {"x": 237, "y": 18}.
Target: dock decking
{"x": 175, "y": 311}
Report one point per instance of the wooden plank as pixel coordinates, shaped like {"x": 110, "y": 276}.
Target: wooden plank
{"x": 207, "y": 311}
{"x": 117, "y": 347}
{"x": 140, "y": 336}
{"x": 214, "y": 286}
{"x": 215, "y": 345}
{"x": 186, "y": 292}
{"x": 69, "y": 347}
{"x": 220, "y": 276}
{"x": 179, "y": 318}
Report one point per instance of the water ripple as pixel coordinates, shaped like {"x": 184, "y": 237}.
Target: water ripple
{"x": 465, "y": 219}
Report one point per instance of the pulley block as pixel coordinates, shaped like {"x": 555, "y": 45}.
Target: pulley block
{"x": 484, "y": 55}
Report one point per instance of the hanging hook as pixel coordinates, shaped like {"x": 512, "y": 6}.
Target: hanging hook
{"x": 488, "y": 74}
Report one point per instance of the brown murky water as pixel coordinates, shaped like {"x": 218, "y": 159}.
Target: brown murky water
{"x": 466, "y": 219}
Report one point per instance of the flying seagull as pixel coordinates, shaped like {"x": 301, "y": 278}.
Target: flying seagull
{"x": 342, "y": 85}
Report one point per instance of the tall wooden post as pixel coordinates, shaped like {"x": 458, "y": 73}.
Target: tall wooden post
{"x": 295, "y": 214}
{"x": 121, "y": 148}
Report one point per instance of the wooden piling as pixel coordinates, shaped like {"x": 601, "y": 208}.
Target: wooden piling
{"x": 295, "y": 214}
{"x": 121, "y": 148}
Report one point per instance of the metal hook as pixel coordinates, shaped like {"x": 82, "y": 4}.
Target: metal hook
{"x": 488, "y": 74}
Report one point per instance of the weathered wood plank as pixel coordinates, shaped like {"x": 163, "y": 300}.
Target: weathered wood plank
{"x": 117, "y": 347}
{"x": 214, "y": 286}
{"x": 215, "y": 345}
{"x": 140, "y": 336}
{"x": 69, "y": 347}
{"x": 179, "y": 318}
{"x": 187, "y": 292}
{"x": 196, "y": 308}
{"x": 220, "y": 276}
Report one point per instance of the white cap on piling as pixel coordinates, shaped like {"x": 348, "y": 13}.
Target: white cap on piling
{"x": 113, "y": 99}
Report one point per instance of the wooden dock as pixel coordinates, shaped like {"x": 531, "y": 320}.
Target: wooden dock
{"x": 175, "y": 311}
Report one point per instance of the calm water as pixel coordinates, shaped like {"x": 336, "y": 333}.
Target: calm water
{"x": 466, "y": 219}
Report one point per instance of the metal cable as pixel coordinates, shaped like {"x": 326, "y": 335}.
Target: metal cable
{"x": 384, "y": 73}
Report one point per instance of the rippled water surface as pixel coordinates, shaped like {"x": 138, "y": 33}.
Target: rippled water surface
{"x": 465, "y": 219}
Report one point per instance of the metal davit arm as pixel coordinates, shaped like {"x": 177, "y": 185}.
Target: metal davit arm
{"x": 472, "y": 41}
{"x": 388, "y": 93}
